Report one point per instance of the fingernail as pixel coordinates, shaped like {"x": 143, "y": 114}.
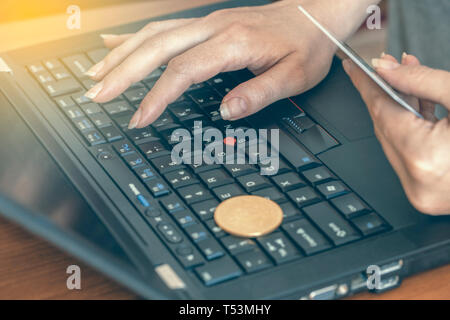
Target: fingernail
{"x": 385, "y": 64}
{"x": 383, "y": 54}
{"x": 107, "y": 36}
{"x": 404, "y": 56}
{"x": 233, "y": 108}
{"x": 135, "y": 119}
{"x": 94, "y": 91}
{"x": 95, "y": 69}
{"x": 347, "y": 65}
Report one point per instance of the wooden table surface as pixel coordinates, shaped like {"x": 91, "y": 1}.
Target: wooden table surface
{"x": 31, "y": 268}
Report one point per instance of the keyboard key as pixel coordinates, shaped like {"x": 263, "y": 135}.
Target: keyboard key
{"x": 169, "y": 232}
{"x": 218, "y": 271}
{"x": 100, "y": 120}
{"x": 222, "y": 83}
{"x": 65, "y": 102}
{"x": 271, "y": 194}
{"x": 122, "y": 119}
{"x": 237, "y": 245}
{"x": 153, "y": 149}
{"x": 205, "y": 209}
{"x": 78, "y": 64}
{"x": 215, "y": 178}
{"x": 332, "y": 189}
{"x": 253, "y": 182}
{"x": 172, "y": 204}
{"x": 145, "y": 172}
{"x": 184, "y": 218}
{"x": 80, "y": 98}
{"x": 44, "y": 77}
{"x": 74, "y": 112}
{"x": 180, "y": 178}
{"x": 350, "y": 205}
{"x": 118, "y": 107}
{"x": 210, "y": 248}
{"x": 197, "y": 232}
{"x": 94, "y": 137}
{"x": 133, "y": 159}
{"x": 51, "y": 64}
{"x": 271, "y": 169}
{"x": 83, "y": 124}
{"x": 288, "y": 181}
{"x": 279, "y": 247}
{"x": 318, "y": 175}
{"x": 253, "y": 261}
{"x": 194, "y": 193}
{"x": 123, "y": 147}
{"x": 163, "y": 120}
{"x": 111, "y": 133}
{"x": 154, "y": 74}
{"x": 289, "y": 211}
{"x": 369, "y": 224}
{"x": 213, "y": 112}
{"x": 296, "y": 154}
{"x": 97, "y": 55}
{"x": 136, "y": 95}
{"x": 60, "y": 73}
{"x": 306, "y": 236}
{"x": 215, "y": 229}
{"x": 185, "y": 110}
{"x": 91, "y": 108}
{"x": 165, "y": 164}
{"x": 331, "y": 223}
{"x": 317, "y": 140}
{"x": 36, "y": 67}
{"x": 237, "y": 170}
{"x": 188, "y": 256}
{"x": 88, "y": 83}
{"x": 142, "y": 135}
{"x": 304, "y": 196}
{"x": 157, "y": 187}
{"x": 60, "y": 87}
{"x": 228, "y": 191}
{"x": 205, "y": 97}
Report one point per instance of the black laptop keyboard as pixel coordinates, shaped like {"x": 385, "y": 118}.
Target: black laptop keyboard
{"x": 178, "y": 201}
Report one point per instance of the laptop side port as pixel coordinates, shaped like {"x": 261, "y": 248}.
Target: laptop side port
{"x": 327, "y": 293}
{"x": 391, "y": 267}
{"x": 388, "y": 284}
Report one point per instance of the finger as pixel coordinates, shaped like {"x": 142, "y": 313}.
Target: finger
{"x": 388, "y": 57}
{"x": 126, "y": 44}
{"x": 193, "y": 66}
{"x": 386, "y": 114}
{"x": 153, "y": 52}
{"x": 409, "y": 60}
{"x": 270, "y": 86}
{"x": 427, "y": 108}
{"x": 416, "y": 80}
{"x": 114, "y": 40}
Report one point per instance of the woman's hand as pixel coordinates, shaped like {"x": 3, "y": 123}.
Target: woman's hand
{"x": 419, "y": 150}
{"x": 287, "y": 53}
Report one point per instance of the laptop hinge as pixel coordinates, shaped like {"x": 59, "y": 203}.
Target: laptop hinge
{"x": 4, "y": 67}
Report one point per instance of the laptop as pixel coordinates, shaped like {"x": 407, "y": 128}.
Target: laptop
{"x": 67, "y": 165}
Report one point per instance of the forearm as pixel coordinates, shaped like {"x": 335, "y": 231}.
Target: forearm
{"x": 342, "y": 17}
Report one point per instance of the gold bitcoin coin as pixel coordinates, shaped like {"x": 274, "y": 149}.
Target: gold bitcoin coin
{"x": 248, "y": 216}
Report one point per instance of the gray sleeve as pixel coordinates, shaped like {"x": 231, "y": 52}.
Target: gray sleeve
{"x": 421, "y": 28}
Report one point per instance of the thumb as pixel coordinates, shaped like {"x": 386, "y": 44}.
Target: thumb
{"x": 416, "y": 80}
{"x": 270, "y": 86}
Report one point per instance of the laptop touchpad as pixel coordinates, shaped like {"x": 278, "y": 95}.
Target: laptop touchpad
{"x": 337, "y": 101}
